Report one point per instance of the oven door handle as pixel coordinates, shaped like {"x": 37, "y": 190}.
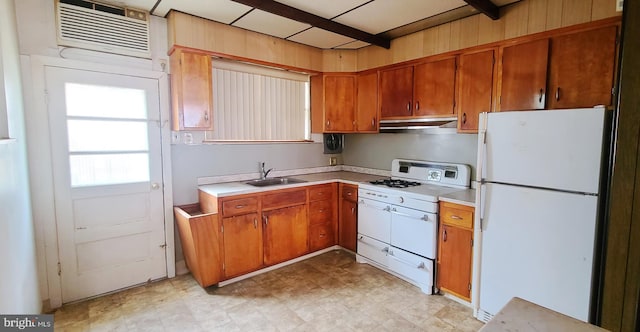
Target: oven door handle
{"x": 412, "y": 264}
{"x": 424, "y": 217}
{"x": 385, "y": 249}
{"x": 387, "y": 208}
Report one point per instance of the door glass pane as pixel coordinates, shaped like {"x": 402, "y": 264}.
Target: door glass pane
{"x": 104, "y": 169}
{"x": 105, "y": 101}
{"x": 104, "y": 136}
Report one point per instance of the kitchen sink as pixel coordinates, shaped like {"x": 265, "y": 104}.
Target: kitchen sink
{"x": 273, "y": 181}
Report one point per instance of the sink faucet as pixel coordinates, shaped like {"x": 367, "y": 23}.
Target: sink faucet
{"x": 263, "y": 173}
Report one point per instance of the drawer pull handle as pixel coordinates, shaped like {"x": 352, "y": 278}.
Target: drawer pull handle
{"x": 239, "y": 206}
{"x": 419, "y": 265}
{"x": 453, "y": 216}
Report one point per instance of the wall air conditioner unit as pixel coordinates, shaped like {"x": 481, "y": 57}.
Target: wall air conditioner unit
{"x": 94, "y": 26}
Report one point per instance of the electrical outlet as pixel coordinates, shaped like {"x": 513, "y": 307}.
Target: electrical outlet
{"x": 333, "y": 161}
{"x": 187, "y": 138}
{"x": 175, "y": 137}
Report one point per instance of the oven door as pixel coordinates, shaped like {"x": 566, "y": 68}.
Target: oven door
{"x": 374, "y": 219}
{"x": 414, "y": 231}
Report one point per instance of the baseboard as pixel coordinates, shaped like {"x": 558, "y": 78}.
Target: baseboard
{"x": 181, "y": 268}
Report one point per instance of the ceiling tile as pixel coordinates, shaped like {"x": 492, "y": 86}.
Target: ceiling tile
{"x": 327, "y": 8}
{"x": 270, "y": 24}
{"x": 320, "y": 38}
{"x": 354, "y": 45}
{"x": 224, "y": 11}
{"x": 382, "y": 15}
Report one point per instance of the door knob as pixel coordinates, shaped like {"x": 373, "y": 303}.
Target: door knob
{"x": 155, "y": 186}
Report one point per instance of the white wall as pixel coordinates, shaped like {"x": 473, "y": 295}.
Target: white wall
{"x": 19, "y": 293}
{"x": 377, "y": 151}
{"x": 192, "y": 161}
{"x": 37, "y": 38}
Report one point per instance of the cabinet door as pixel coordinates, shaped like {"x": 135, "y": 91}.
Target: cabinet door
{"x": 348, "y": 224}
{"x": 434, "y": 92}
{"x": 475, "y": 88}
{"x": 191, "y": 91}
{"x": 581, "y": 68}
{"x": 396, "y": 92}
{"x": 367, "y": 105}
{"x": 339, "y": 103}
{"x": 454, "y": 260}
{"x": 286, "y": 234}
{"x": 523, "y": 83}
{"x": 242, "y": 238}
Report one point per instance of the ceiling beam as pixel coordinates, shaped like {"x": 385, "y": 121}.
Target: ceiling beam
{"x": 486, "y": 7}
{"x": 295, "y": 14}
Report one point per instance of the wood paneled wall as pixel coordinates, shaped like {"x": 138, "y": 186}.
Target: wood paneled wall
{"x": 621, "y": 293}
{"x": 522, "y": 18}
{"x": 195, "y": 32}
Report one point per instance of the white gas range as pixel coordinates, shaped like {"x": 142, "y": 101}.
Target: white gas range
{"x": 398, "y": 218}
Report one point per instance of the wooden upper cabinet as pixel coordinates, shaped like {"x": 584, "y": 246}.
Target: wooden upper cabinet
{"x": 523, "y": 80}
{"x": 396, "y": 92}
{"x": 434, "y": 88}
{"x": 475, "y": 88}
{"x": 339, "y": 103}
{"x": 191, "y": 90}
{"x": 367, "y": 103}
{"x": 581, "y": 68}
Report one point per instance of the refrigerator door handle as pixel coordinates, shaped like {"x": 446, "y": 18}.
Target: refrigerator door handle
{"x": 482, "y": 204}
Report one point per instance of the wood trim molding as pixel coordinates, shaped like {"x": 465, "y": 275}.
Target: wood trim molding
{"x": 620, "y": 298}
{"x": 244, "y": 59}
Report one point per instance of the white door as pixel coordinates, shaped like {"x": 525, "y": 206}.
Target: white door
{"x": 107, "y": 166}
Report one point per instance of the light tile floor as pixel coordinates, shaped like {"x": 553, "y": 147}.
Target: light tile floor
{"x": 330, "y": 292}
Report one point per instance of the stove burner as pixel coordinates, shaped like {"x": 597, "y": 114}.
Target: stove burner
{"x": 395, "y": 183}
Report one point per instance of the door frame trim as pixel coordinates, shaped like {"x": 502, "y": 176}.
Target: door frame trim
{"x": 41, "y": 167}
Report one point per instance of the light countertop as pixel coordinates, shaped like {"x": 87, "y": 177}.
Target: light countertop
{"x": 238, "y": 188}
{"x": 463, "y": 197}
{"x": 521, "y": 315}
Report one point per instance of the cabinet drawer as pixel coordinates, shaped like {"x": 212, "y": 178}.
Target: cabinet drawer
{"x": 321, "y": 236}
{"x": 321, "y": 192}
{"x": 284, "y": 198}
{"x": 457, "y": 215}
{"x": 349, "y": 192}
{"x": 321, "y": 209}
{"x": 234, "y": 207}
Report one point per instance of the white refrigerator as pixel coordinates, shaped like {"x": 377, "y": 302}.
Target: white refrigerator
{"x": 537, "y": 213}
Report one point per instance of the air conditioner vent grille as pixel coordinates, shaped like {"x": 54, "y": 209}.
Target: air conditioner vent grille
{"x": 97, "y": 30}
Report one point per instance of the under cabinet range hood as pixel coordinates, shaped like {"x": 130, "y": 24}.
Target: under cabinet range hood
{"x": 446, "y": 125}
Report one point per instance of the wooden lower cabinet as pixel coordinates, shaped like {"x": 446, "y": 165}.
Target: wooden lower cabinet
{"x": 348, "y": 219}
{"x": 455, "y": 249}
{"x": 323, "y": 216}
{"x": 285, "y": 234}
{"x": 199, "y": 237}
{"x": 242, "y": 243}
